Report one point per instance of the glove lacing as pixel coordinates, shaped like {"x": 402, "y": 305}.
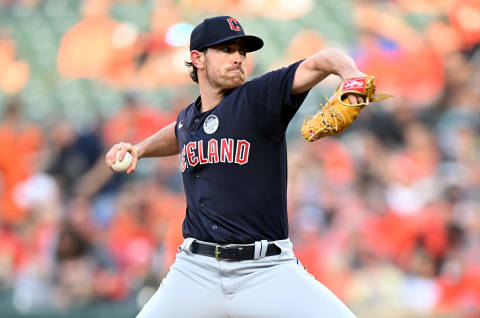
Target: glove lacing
{"x": 328, "y": 126}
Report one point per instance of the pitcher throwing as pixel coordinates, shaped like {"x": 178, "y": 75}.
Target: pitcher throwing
{"x": 236, "y": 260}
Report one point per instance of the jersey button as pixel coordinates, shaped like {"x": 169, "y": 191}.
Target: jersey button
{"x": 197, "y": 176}
{"x": 192, "y": 133}
{"x": 197, "y": 120}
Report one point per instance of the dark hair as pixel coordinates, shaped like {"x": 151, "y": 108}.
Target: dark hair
{"x": 192, "y": 71}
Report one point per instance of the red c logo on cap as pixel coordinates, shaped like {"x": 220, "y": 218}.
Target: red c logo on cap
{"x": 234, "y": 25}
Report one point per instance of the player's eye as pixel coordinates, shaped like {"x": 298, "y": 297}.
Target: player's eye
{"x": 233, "y": 49}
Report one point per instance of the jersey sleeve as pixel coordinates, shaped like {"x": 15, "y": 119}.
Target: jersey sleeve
{"x": 180, "y": 119}
{"x": 176, "y": 129}
{"x": 271, "y": 101}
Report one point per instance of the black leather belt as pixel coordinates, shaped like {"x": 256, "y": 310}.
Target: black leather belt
{"x": 231, "y": 252}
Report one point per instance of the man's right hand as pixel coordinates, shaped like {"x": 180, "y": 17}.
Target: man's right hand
{"x": 122, "y": 148}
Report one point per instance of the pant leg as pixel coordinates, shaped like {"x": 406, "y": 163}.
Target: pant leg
{"x": 285, "y": 291}
{"x": 191, "y": 289}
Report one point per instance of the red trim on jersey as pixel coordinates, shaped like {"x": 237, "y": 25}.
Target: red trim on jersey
{"x": 213, "y": 151}
{"x": 183, "y": 164}
{"x": 192, "y": 160}
{"x": 203, "y": 160}
{"x": 226, "y": 149}
{"x": 243, "y": 150}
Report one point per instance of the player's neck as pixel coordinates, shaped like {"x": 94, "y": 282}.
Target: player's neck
{"x": 210, "y": 97}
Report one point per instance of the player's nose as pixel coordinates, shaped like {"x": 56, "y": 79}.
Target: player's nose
{"x": 237, "y": 57}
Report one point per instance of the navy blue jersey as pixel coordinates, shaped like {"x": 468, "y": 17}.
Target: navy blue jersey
{"x": 233, "y": 160}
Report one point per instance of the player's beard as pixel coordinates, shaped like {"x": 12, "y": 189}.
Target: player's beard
{"x": 223, "y": 79}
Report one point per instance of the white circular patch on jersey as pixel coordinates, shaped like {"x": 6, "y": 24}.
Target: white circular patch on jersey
{"x": 211, "y": 124}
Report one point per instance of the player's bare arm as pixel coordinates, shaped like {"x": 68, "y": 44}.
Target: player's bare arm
{"x": 161, "y": 144}
{"x": 318, "y": 66}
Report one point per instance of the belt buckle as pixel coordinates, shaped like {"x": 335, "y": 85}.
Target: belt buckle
{"x": 217, "y": 252}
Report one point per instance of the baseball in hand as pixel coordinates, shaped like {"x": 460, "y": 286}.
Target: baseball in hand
{"x": 121, "y": 166}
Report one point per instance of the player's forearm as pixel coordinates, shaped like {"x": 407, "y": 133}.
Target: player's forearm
{"x": 161, "y": 144}
{"x": 334, "y": 61}
{"x": 318, "y": 66}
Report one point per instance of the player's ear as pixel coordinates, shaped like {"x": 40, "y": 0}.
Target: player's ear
{"x": 197, "y": 58}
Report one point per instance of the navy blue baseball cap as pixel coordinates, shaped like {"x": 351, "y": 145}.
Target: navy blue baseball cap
{"x": 216, "y": 30}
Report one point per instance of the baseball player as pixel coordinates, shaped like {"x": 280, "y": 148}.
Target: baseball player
{"x": 236, "y": 260}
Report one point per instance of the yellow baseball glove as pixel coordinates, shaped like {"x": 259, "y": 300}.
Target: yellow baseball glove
{"x": 337, "y": 113}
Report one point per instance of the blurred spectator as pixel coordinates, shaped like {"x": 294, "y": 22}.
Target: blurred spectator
{"x": 22, "y": 140}
{"x": 72, "y": 154}
{"x": 84, "y": 271}
{"x": 15, "y": 73}
{"x": 135, "y": 121}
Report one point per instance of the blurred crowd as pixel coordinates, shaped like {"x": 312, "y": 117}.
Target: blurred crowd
{"x": 72, "y": 231}
{"x": 386, "y": 215}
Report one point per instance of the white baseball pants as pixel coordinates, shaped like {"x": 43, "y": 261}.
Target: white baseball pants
{"x": 272, "y": 287}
